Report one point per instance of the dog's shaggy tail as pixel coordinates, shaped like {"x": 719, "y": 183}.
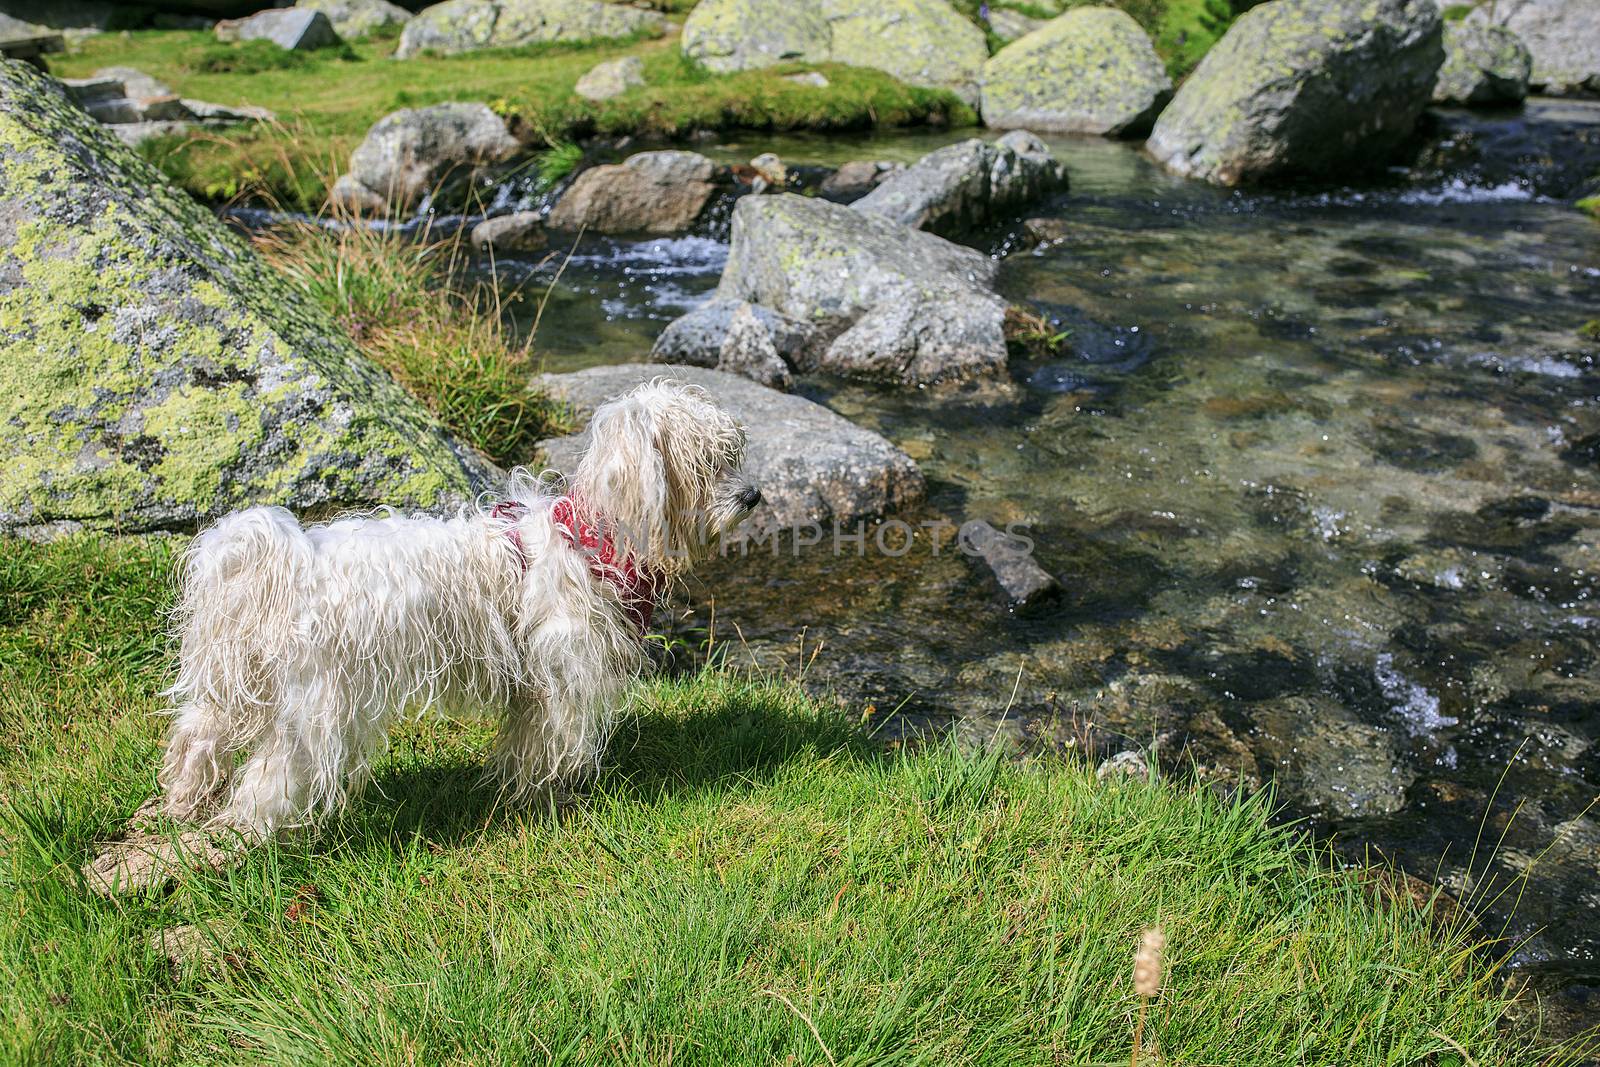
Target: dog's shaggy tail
{"x": 235, "y": 616}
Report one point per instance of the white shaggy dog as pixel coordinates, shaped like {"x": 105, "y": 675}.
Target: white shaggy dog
{"x": 300, "y": 646}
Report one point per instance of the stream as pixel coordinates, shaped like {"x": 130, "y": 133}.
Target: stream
{"x": 1319, "y": 472}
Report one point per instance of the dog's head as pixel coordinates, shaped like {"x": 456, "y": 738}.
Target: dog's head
{"x": 662, "y": 471}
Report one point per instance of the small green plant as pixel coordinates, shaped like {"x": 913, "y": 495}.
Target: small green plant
{"x": 1029, "y": 333}
{"x": 1590, "y": 204}
{"x": 558, "y": 161}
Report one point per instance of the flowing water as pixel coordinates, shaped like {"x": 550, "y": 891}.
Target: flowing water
{"x": 1319, "y": 473}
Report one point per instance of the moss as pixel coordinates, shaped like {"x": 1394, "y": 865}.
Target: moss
{"x": 1590, "y": 204}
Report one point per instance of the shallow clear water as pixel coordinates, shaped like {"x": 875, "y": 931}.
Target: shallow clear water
{"x": 1319, "y": 472}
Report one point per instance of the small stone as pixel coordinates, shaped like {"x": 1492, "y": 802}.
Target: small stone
{"x": 652, "y": 192}
{"x": 857, "y": 178}
{"x": 611, "y": 78}
{"x": 1124, "y": 765}
{"x": 1011, "y": 561}
{"x": 522, "y": 231}
{"x": 186, "y": 947}
{"x": 810, "y": 77}
{"x": 737, "y": 337}
{"x": 136, "y": 84}
{"x": 771, "y": 169}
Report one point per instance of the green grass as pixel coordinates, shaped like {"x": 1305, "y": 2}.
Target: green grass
{"x": 327, "y": 101}
{"x": 395, "y": 296}
{"x": 747, "y": 869}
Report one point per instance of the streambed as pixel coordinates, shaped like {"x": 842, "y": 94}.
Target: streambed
{"x": 1319, "y": 473}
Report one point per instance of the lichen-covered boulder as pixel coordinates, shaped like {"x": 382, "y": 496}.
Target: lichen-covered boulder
{"x": 1303, "y": 88}
{"x": 358, "y": 18}
{"x": 1008, "y": 25}
{"x": 811, "y": 465}
{"x": 730, "y": 35}
{"x": 1092, "y": 70}
{"x": 735, "y": 336}
{"x": 154, "y": 372}
{"x": 884, "y": 301}
{"x": 1563, "y": 37}
{"x": 427, "y": 151}
{"x": 964, "y": 185}
{"x": 921, "y": 42}
{"x": 611, "y": 78}
{"x": 466, "y": 25}
{"x": 297, "y": 30}
{"x": 652, "y": 192}
{"x": 1482, "y": 65}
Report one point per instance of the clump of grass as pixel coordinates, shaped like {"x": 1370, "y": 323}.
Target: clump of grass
{"x": 253, "y": 57}
{"x": 749, "y": 882}
{"x": 396, "y": 298}
{"x": 1029, "y": 335}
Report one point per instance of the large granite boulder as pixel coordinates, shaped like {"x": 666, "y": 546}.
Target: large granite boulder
{"x": 1563, "y": 37}
{"x": 467, "y": 25}
{"x": 358, "y": 18}
{"x": 154, "y": 372}
{"x": 1483, "y": 64}
{"x": 1304, "y": 88}
{"x": 1092, "y": 70}
{"x": 811, "y": 465}
{"x": 883, "y": 301}
{"x": 652, "y": 192}
{"x": 427, "y": 151}
{"x": 920, "y": 42}
{"x": 968, "y": 184}
{"x": 295, "y": 29}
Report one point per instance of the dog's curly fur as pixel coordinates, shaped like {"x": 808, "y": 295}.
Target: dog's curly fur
{"x": 301, "y": 646}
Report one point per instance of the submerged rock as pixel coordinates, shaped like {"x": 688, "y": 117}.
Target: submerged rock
{"x": 1093, "y": 70}
{"x": 964, "y": 185}
{"x": 426, "y": 151}
{"x": 857, "y": 178}
{"x": 1563, "y": 37}
{"x": 611, "y": 78}
{"x": 154, "y": 372}
{"x": 812, "y": 466}
{"x": 295, "y": 29}
{"x": 358, "y": 18}
{"x": 467, "y": 25}
{"x": 921, "y": 42}
{"x": 652, "y": 192}
{"x": 1336, "y": 763}
{"x": 1303, "y": 88}
{"x": 734, "y": 336}
{"x": 1010, "y": 560}
{"x": 521, "y": 231}
{"x": 1482, "y": 65}
{"x": 884, "y": 301}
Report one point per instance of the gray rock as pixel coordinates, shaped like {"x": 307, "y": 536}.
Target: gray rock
{"x": 811, "y": 465}
{"x": 652, "y": 192}
{"x": 1303, "y": 87}
{"x": 1563, "y": 37}
{"x": 136, "y": 84}
{"x": 467, "y": 25}
{"x": 1123, "y": 765}
{"x": 1333, "y": 761}
{"x": 1092, "y": 70}
{"x": 964, "y": 185}
{"x": 1010, "y": 560}
{"x": 520, "y": 231}
{"x": 920, "y": 42}
{"x": 155, "y": 373}
{"x": 611, "y": 78}
{"x": 418, "y": 152}
{"x": 358, "y": 18}
{"x": 885, "y": 301}
{"x": 857, "y": 178}
{"x": 1008, "y": 25}
{"x": 296, "y": 29}
{"x": 737, "y": 337}
{"x": 110, "y": 99}
{"x": 1482, "y": 65}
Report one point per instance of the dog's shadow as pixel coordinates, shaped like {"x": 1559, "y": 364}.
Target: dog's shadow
{"x": 736, "y": 733}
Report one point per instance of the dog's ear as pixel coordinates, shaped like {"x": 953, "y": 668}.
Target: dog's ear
{"x": 623, "y": 478}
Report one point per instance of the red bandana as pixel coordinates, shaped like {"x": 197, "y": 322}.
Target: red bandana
{"x": 636, "y": 589}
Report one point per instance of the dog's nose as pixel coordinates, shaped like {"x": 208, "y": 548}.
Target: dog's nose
{"x": 750, "y": 497}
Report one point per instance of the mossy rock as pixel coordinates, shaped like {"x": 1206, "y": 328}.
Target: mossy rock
{"x": 155, "y": 372}
{"x": 467, "y": 25}
{"x": 921, "y": 42}
{"x": 1304, "y": 88}
{"x": 1483, "y": 65}
{"x": 1092, "y": 70}
{"x": 1563, "y": 37}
